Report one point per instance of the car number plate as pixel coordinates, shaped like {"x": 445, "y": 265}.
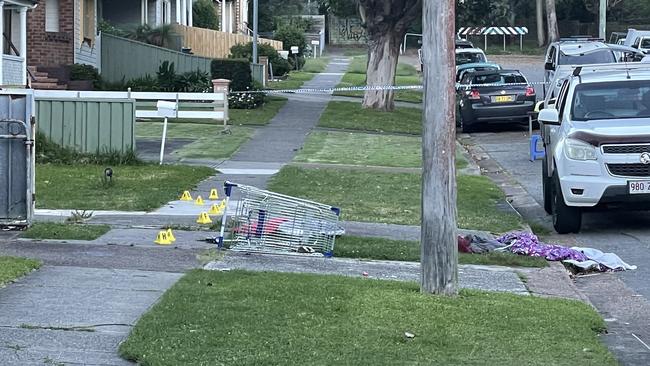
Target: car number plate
{"x": 639, "y": 186}
{"x": 503, "y": 98}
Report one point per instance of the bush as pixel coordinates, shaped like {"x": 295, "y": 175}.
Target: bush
{"x": 281, "y": 67}
{"x": 146, "y": 83}
{"x": 292, "y": 62}
{"x": 291, "y": 36}
{"x": 246, "y": 100}
{"x": 245, "y": 51}
{"x": 205, "y": 15}
{"x": 48, "y": 152}
{"x": 238, "y": 71}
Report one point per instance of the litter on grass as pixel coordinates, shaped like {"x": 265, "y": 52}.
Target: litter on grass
{"x": 528, "y": 244}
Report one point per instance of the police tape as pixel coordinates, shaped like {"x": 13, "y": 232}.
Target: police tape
{"x": 374, "y": 87}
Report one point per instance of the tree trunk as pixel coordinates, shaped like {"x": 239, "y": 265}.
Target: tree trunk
{"x": 539, "y": 15}
{"x": 383, "y": 54}
{"x": 439, "y": 253}
{"x": 553, "y": 33}
{"x": 386, "y": 23}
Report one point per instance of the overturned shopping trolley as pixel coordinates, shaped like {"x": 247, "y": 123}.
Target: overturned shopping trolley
{"x": 265, "y": 221}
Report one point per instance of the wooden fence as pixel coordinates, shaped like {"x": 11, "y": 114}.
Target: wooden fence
{"x": 125, "y": 59}
{"x": 214, "y": 44}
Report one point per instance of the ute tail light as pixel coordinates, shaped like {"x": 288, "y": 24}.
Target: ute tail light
{"x": 474, "y": 94}
{"x": 530, "y": 91}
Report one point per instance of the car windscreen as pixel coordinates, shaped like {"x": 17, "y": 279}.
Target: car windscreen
{"x": 469, "y": 57}
{"x": 611, "y": 100}
{"x": 645, "y": 43}
{"x": 499, "y": 78}
{"x": 596, "y": 57}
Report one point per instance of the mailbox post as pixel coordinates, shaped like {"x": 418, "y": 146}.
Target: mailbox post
{"x": 294, "y": 51}
{"x": 166, "y": 109}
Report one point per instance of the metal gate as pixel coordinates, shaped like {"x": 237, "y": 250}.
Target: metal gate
{"x": 16, "y": 158}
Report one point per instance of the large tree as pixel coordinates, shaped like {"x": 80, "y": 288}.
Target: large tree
{"x": 551, "y": 21}
{"x": 386, "y": 23}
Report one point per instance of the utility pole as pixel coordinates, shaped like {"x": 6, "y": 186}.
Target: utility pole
{"x": 439, "y": 253}
{"x": 539, "y": 16}
{"x": 255, "y": 17}
{"x": 602, "y": 15}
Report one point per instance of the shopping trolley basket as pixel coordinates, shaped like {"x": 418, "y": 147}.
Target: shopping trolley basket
{"x": 265, "y": 221}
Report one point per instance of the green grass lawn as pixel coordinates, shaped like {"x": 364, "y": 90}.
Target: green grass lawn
{"x": 351, "y": 116}
{"x": 394, "y": 197}
{"x": 58, "y": 231}
{"x": 12, "y": 268}
{"x": 243, "y": 318}
{"x": 134, "y": 188}
{"x": 295, "y": 79}
{"x": 359, "y": 66}
{"x": 210, "y": 142}
{"x": 258, "y": 116}
{"x": 333, "y": 147}
{"x": 354, "y": 79}
{"x": 405, "y": 250}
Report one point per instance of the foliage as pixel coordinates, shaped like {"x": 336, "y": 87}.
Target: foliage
{"x": 298, "y": 22}
{"x": 281, "y": 66}
{"x": 245, "y": 100}
{"x": 204, "y": 15}
{"x": 58, "y": 231}
{"x": 145, "y": 83}
{"x": 49, "y": 152}
{"x": 167, "y": 80}
{"x": 236, "y": 69}
{"x": 340, "y": 8}
{"x": 107, "y": 28}
{"x": 83, "y": 72}
{"x": 245, "y": 51}
{"x": 270, "y": 10}
{"x": 159, "y": 36}
{"x": 291, "y": 36}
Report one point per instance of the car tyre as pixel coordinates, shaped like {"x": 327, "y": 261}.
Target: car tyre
{"x": 566, "y": 219}
{"x": 467, "y": 128}
{"x": 547, "y": 188}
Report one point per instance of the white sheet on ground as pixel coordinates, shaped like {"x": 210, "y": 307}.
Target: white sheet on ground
{"x": 609, "y": 260}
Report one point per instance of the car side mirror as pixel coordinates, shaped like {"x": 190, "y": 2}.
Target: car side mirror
{"x": 549, "y": 116}
{"x": 549, "y": 66}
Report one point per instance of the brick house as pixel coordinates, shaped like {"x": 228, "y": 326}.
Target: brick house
{"x": 13, "y": 22}
{"x": 65, "y": 32}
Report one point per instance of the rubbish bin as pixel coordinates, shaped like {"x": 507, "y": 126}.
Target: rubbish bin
{"x": 16, "y": 157}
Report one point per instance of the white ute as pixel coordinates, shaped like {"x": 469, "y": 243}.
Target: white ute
{"x": 597, "y": 143}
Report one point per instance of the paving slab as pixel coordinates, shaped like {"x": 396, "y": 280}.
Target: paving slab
{"x": 473, "y": 277}
{"x": 145, "y": 237}
{"x": 106, "y": 301}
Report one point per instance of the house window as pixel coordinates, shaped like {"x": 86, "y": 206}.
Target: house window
{"x": 52, "y": 15}
{"x": 88, "y": 21}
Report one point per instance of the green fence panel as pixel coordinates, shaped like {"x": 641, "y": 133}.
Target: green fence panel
{"x": 88, "y": 126}
{"x": 125, "y": 59}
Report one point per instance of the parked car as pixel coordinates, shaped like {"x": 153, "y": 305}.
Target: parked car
{"x": 492, "y": 97}
{"x": 597, "y": 143}
{"x": 469, "y": 56}
{"x": 463, "y": 43}
{"x": 562, "y": 55}
{"x": 617, "y": 37}
{"x": 474, "y": 67}
{"x": 638, "y": 39}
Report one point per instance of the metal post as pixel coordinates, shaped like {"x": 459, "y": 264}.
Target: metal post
{"x": 485, "y": 47}
{"x": 255, "y": 30}
{"x": 162, "y": 143}
{"x": 504, "y": 42}
{"x": 521, "y": 42}
{"x": 603, "y": 19}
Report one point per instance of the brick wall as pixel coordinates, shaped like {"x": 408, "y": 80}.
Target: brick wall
{"x": 50, "y": 48}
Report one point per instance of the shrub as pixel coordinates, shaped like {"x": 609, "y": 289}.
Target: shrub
{"x": 246, "y": 100}
{"x": 245, "y": 51}
{"x": 193, "y": 82}
{"x": 281, "y": 67}
{"x": 238, "y": 71}
{"x": 291, "y": 36}
{"x": 83, "y": 72}
{"x": 146, "y": 83}
{"x": 48, "y": 152}
{"x": 205, "y": 15}
{"x": 292, "y": 62}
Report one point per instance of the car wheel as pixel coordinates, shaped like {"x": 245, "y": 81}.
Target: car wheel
{"x": 566, "y": 219}
{"x": 547, "y": 188}
{"x": 467, "y": 127}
